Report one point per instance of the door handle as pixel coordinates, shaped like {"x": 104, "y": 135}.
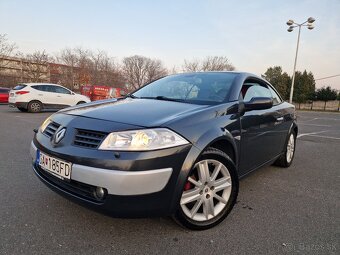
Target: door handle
{"x": 40, "y": 94}
{"x": 58, "y": 96}
{"x": 279, "y": 119}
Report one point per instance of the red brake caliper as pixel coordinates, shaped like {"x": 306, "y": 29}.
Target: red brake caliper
{"x": 188, "y": 184}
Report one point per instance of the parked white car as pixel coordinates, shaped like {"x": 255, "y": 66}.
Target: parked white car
{"x": 33, "y": 97}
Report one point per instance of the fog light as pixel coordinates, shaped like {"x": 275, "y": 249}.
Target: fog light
{"x": 99, "y": 193}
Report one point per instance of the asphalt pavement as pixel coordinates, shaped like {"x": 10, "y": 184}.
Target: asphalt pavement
{"x": 279, "y": 211}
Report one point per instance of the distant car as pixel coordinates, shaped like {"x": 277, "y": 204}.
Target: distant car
{"x": 4, "y": 95}
{"x": 33, "y": 97}
{"x": 176, "y": 146}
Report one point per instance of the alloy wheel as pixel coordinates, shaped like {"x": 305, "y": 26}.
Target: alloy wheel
{"x": 207, "y": 190}
{"x": 290, "y": 148}
{"x": 35, "y": 107}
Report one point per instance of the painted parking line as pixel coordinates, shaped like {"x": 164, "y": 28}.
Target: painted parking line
{"x": 328, "y": 119}
{"x": 316, "y": 125}
{"x": 327, "y": 137}
{"x": 313, "y": 133}
{"x": 324, "y": 118}
{"x": 310, "y": 118}
{"x": 307, "y": 118}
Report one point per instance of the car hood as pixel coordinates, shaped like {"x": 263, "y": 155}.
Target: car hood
{"x": 139, "y": 112}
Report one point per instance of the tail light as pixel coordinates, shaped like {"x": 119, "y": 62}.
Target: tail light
{"x": 22, "y": 92}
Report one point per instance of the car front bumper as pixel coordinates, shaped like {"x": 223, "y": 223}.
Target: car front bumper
{"x": 141, "y": 193}
{"x": 118, "y": 182}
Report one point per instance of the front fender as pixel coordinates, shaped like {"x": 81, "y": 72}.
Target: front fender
{"x": 214, "y": 135}
{"x": 196, "y": 150}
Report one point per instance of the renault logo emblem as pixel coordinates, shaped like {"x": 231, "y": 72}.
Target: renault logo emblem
{"x": 59, "y": 135}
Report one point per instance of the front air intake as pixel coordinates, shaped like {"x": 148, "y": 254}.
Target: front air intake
{"x": 51, "y": 129}
{"x": 88, "y": 139}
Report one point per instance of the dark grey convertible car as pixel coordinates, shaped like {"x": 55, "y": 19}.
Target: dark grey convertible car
{"x": 177, "y": 146}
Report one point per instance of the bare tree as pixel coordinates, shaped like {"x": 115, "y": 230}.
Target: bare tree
{"x": 139, "y": 70}
{"x": 83, "y": 66}
{"x": 105, "y": 71}
{"x": 6, "y": 48}
{"x": 173, "y": 70}
{"x": 191, "y": 66}
{"x": 155, "y": 70}
{"x": 36, "y": 66}
{"x": 67, "y": 70}
{"x": 77, "y": 67}
{"x": 210, "y": 63}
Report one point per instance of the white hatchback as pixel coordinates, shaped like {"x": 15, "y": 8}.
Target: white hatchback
{"x": 33, "y": 97}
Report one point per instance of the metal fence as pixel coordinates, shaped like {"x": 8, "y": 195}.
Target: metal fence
{"x": 319, "y": 105}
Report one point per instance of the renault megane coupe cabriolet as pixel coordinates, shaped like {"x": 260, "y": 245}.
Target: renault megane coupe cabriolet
{"x": 177, "y": 146}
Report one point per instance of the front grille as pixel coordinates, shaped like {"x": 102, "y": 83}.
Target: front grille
{"x": 88, "y": 139}
{"x": 51, "y": 129}
{"x": 83, "y": 190}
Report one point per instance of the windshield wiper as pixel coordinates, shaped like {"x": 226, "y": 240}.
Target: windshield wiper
{"x": 131, "y": 96}
{"x": 164, "y": 98}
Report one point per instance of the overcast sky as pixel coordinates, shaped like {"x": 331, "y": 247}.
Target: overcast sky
{"x": 252, "y": 34}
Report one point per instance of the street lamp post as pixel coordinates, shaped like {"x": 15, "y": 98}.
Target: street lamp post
{"x": 293, "y": 25}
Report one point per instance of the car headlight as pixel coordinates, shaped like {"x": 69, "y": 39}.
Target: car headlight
{"x": 142, "y": 140}
{"x": 45, "y": 124}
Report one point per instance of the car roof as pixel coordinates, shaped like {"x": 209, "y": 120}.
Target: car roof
{"x": 33, "y": 84}
{"x": 206, "y": 72}
{"x": 245, "y": 74}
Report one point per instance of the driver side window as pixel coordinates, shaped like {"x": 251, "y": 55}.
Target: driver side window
{"x": 254, "y": 89}
{"x": 61, "y": 90}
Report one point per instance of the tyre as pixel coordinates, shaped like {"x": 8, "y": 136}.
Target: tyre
{"x": 22, "y": 109}
{"x": 34, "y": 106}
{"x": 81, "y": 102}
{"x": 210, "y": 191}
{"x": 286, "y": 159}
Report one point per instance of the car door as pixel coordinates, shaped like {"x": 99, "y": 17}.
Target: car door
{"x": 284, "y": 119}
{"x": 43, "y": 94}
{"x": 259, "y": 138}
{"x": 65, "y": 96}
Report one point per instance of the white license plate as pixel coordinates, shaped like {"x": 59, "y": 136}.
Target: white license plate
{"x": 57, "y": 167}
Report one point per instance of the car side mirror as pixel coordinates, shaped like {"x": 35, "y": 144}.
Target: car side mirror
{"x": 72, "y": 93}
{"x": 258, "y": 103}
{"x": 123, "y": 93}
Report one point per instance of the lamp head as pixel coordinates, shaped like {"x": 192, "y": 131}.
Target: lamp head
{"x": 290, "y": 22}
{"x": 311, "y": 20}
{"x": 310, "y": 26}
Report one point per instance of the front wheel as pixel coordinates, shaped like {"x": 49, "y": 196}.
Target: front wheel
{"x": 210, "y": 191}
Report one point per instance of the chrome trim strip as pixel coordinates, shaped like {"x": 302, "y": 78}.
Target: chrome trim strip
{"x": 123, "y": 182}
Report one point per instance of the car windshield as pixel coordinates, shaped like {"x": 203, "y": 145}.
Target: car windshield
{"x": 197, "y": 88}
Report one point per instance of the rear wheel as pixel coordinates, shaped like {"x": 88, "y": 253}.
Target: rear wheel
{"x": 286, "y": 159}
{"x": 81, "y": 102}
{"x": 34, "y": 106}
{"x": 210, "y": 191}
